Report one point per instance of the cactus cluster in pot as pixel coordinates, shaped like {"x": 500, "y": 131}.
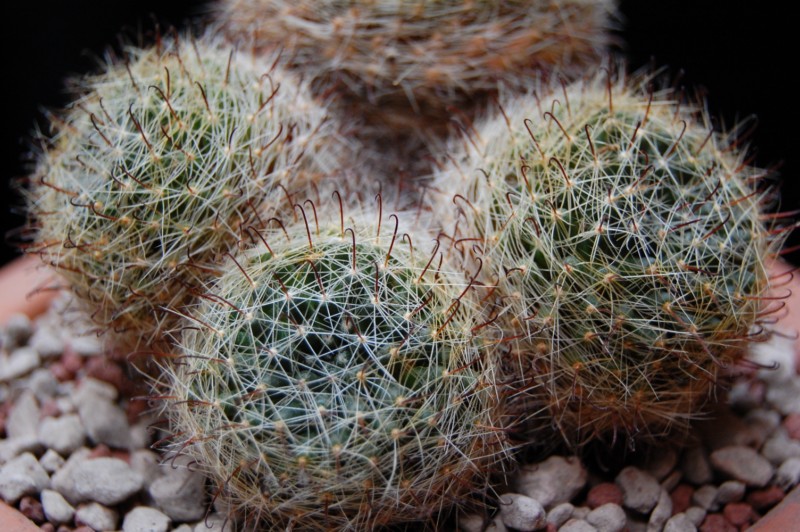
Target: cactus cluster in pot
{"x": 585, "y": 263}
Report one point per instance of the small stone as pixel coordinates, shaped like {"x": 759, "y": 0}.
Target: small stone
{"x": 18, "y": 330}
{"x": 521, "y": 512}
{"x": 144, "y": 519}
{"x": 560, "y": 514}
{"x": 717, "y": 523}
{"x": 63, "y": 434}
{"x": 679, "y": 523}
{"x": 496, "y": 526}
{"x": 785, "y": 396}
{"x": 696, "y": 515}
{"x": 788, "y": 473}
{"x": 763, "y": 421}
{"x": 187, "y": 528}
{"x": 739, "y": 514}
{"x": 47, "y": 342}
{"x": 19, "y": 363}
{"x": 105, "y": 422}
{"x": 91, "y": 390}
{"x": 577, "y": 525}
{"x": 661, "y": 463}
{"x": 765, "y": 498}
{"x": 730, "y": 491}
{"x": 604, "y": 493}
{"x": 661, "y": 512}
{"x": 22, "y": 475}
{"x": 681, "y": 498}
{"x": 556, "y": 480}
{"x": 470, "y": 522}
{"x": 780, "y": 448}
{"x": 580, "y": 512}
{"x": 792, "y": 426}
{"x": 607, "y": 518}
{"x": 32, "y": 509}
{"x": 672, "y": 480}
{"x": 43, "y": 384}
{"x": 180, "y": 493}
{"x": 87, "y": 345}
{"x": 96, "y": 516}
{"x": 695, "y": 466}
{"x": 744, "y": 464}
{"x": 640, "y": 491}
{"x": 56, "y": 507}
{"x": 51, "y": 461}
{"x": 11, "y": 448}
{"x": 105, "y": 480}
{"x": 705, "y": 497}
{"x": 23, "y": 420}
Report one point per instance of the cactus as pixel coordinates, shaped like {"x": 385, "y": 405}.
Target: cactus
{"x": 161, "y": 164}
{"x": 627, "y": 244}
{"x": 329, "y": 380}
{"x": 403, "y": 63}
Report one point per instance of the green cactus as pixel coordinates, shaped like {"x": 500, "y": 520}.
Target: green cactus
{"x": 403, "y": 63}
{"x": 330, "y": 380}
{"x": 161, "y": 164}
{"x": 627, "y": 246}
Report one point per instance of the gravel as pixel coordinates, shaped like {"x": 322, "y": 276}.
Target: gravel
{"x": 74, "y": 452}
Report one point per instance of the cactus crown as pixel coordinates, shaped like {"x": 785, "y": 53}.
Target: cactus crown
{"x": 333, "y": 379}
{"x": 627, "y": 242}
{"x": 159, "y": 165}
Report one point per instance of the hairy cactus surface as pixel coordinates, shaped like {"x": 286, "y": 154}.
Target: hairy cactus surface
{"x": 329, "y": 380}
{"x": 159, "y": 166}
{"x": 404, "y": 62}
{"x": 627, "y": 244}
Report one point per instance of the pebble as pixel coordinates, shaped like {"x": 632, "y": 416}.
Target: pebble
{"x": 496, "y": 526}
{"x": 717, "y": 523}
{"x": 105, "y": 423}
{"x": 788, "y": 474}
{"x": 553, "y": 481}
{"x": 22, "y": 475}
{"x": 521, "y": 512}
{"x": 705, "y": 497}
{"x": 791, "y": 424}
{"x": 679, "y": 523}
{"x": 730, "y": 491}
{"x": 780, "y": 448}
{"x": 24, "y": 418}
{"x": 661, "y": 463}
{"x": 607, "y": 518}
{"x": 695, "y": 466}
{"x": 56, "y": 507}
{"x": 785, "y": 396}
{"x": 19, "y": 363}
{"x": 577, "y": 525}
{"x": 91, "y": 390}
{"x": 105, "y": 480}
{"x": 9, "y": 449}
{"x": 744, "y": 464}
{"x": 560, "y": 514}
{"x": 468, "y": 522}
{"x": 47, "y": 342}
{"x": 180, "y": 493}
{"x": 765, "y": 498}
{"x": 51, "y": 461}
{"x": 31, "y": 508}
{"x": 63, "y": 435}
{"x": 739, "y": 514}
{"x": 96, "y": 516}
{"x": 604, "y": 493}
{"x": 672, "y": 480}
{"x": 661, "y": 512}
{"x": 696, "y": 515}
{"x": 145, "y": 519}
{"x": 43, "y": 384}
{"x": 681, "y": 498}
{"x": 18, "y": 330}
{"x": 146, "y": 463}
{"x": 640, "y": 491}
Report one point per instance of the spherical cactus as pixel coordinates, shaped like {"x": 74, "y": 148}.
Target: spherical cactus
{"x": 627, "y": 244}
{"x": 161, "y": 164}
{"x": 330, "y": 381}
{"x": 403, "y": 63}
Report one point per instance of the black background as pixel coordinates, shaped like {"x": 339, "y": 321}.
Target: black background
{"x": 742, "y": 52}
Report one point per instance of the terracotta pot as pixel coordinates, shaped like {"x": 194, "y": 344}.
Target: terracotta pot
{"x": 13, "y": 521}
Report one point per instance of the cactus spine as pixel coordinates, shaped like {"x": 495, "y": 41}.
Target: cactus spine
{"x": 626, "y": 242}
{"x": 161, "y": 164}
{"x": 330, "y": 380}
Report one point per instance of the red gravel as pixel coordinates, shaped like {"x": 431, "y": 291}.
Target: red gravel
{"x": 31, "y": 508}
{"x": 766, "y": 498}
{"x": 681, "y": 498}
{"x": 603, "y": 494}
{"x": 739, "y": 513}
{"x": 717, "y": 523}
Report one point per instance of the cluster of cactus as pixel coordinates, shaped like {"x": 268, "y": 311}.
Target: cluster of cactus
{"x": 626, "y": 243}
{"x": 404, "y": 63}
{"x": 599, "y": 253}
{"x": 161, "y": 164}
{"x": 332, "y": 381}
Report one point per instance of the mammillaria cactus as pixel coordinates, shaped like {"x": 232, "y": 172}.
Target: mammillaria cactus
{"x": 161, "y": 164}
{"x": 330, "y": 380}
{"x": 627, "y": 244}
{"x": 405, "y": 62}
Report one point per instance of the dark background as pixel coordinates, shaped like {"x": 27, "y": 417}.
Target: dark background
{"x": 740, "y": 51}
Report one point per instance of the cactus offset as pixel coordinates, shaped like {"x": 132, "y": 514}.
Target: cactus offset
{"x": 627, "y": 245}
{"x": 330, "y": 380}
{"x": 160, "y": 165}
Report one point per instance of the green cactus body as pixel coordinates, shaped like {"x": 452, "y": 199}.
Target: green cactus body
{"x": 330, "y": 381}
{"x": 161, "y": 164}
{"x": 628, "y": 251}
{"x": 404, "y": 62}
